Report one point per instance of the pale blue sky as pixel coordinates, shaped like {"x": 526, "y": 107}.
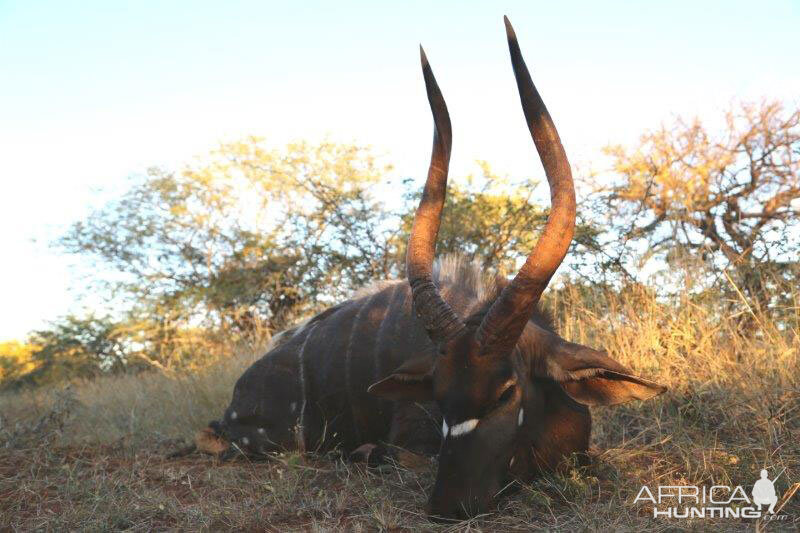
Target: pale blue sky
{"x": 91, "y": 92}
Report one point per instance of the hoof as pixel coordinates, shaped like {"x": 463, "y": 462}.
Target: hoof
{"x": 373, "y": 455}
{"x": 207, "y": 441}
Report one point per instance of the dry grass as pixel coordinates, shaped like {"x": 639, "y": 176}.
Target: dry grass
{"x": 93, "y": 457}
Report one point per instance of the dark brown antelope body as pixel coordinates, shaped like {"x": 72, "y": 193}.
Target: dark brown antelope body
{"x": 450, "y": 360}
{"x": 310, "y": 390}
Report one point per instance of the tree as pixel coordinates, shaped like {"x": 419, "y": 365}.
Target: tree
{"x": 486, "y": 218}
{"x": 489, "y": 219}
{"x": 240, "y": 245}
{"x": 246, "y": 241}
{"x": 16, "y": 360}
{"x": 729, "y": 199}
{"x": 71, "y": 347}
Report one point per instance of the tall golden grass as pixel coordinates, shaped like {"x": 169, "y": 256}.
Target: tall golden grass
{"x": 733, "y": 407}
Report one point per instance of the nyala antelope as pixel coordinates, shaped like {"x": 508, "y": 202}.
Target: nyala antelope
{"x": 451, "y": 361}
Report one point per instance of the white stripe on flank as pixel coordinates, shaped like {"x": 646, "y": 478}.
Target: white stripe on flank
{"x": 464, "y": 427}
{"x": 302, "y": 378}
{"x": 377, "y": 370}
{"x": 521, "y": 417}
{"x": 348, "y": 362}
{"x": 445, "y": 429}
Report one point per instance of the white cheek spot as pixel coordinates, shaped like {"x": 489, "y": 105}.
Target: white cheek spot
{"x": 233, "y": 415}
{"x": 261, "y": 431}
{"x": 245, "y": 441}
{"x": 464, "y": 427}
{"x": 445, "y": 428}
{"x": 521, "y": 417}
{"x": 293, "y": 407}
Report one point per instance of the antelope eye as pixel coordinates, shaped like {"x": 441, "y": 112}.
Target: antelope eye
{"x": 507, "y": 394}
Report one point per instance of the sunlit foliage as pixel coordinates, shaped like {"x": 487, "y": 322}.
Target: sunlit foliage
{"x": 250, "y": 239}
{"x": 210, "y": 260}
{"x": 16, "y": 359}
{"x": 721, "y": 204}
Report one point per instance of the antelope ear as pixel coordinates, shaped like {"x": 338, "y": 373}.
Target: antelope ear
{"x": 413, "y": 380}
{"x": 591, "y": 377}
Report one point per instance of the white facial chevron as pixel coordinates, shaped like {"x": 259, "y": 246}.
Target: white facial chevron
{"x": 459, "y": 429}
{"x": 467, "y": 426}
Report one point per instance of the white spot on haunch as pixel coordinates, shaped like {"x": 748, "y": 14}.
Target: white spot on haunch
{"x": 233, "y": 415}
{"x": 445, "y": 429}
{"x": 464, "y": 427}
{"x": 245, "y": 441}
{"x": 261, "y": 431}
{"x": 521, "y": 417}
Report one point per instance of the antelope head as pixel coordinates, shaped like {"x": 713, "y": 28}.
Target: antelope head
{"x": 482, "y": 380}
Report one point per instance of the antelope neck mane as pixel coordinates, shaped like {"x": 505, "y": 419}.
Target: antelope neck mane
{"x": 452, "y": 273}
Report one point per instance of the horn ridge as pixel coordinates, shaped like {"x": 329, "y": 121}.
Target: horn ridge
{"x": 506, "y": 318}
